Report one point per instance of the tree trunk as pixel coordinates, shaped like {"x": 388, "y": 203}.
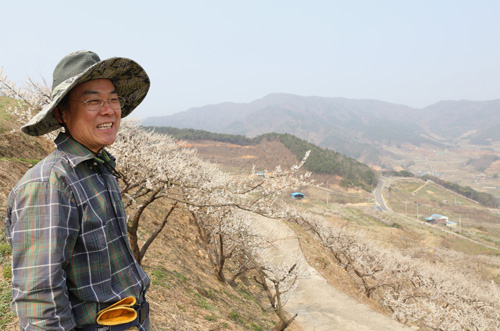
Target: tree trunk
{"x": 155, "y": 234}
{"x": 221, "y": 261}
{"x": 133, "y": 226}
{"x": 132, "y": 236}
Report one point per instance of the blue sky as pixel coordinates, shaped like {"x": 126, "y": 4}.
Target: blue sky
{"x": 205, "y": 52}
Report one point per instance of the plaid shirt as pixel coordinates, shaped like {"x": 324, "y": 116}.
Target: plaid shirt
{"x": 71, "y": 257}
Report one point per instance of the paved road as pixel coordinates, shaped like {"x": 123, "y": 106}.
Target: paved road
{"x": 319, "y": 306}
{"x": 379, "y": 198}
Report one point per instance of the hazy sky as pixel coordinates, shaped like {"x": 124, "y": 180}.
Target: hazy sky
{"x": 204, "y": 52}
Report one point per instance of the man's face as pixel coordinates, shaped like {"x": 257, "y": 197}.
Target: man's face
{"x": 93, "y": 128}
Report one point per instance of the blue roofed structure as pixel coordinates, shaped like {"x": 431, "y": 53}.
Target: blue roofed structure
{"x": 437, "y": 219}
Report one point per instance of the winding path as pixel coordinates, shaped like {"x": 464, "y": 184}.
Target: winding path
{"x": 378, "y": 194}
{"x": 319, "y": 306}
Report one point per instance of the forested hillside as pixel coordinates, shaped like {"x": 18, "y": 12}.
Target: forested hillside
{"x": 321, "y": 160}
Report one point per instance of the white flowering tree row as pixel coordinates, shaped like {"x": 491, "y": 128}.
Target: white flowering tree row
{"x": 430, "y": 296}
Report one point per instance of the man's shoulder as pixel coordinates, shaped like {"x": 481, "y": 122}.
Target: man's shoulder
{"x": 41, "y": 171}
{"x": 38, "y": 175}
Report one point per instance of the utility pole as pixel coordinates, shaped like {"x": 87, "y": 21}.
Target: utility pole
{"x": 417, "y": 211}
{"x": 327, "y": 192}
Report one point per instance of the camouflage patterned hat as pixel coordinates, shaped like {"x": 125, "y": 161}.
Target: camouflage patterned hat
{"x": 129, "y": 78}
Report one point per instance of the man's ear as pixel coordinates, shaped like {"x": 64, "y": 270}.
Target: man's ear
{"x": 58, "y": 113}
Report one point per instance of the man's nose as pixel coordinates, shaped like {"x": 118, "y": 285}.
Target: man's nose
{"x": 106, "y": 108}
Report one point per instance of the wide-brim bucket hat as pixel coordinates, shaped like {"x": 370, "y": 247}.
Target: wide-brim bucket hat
{"x": 129, "y": 78}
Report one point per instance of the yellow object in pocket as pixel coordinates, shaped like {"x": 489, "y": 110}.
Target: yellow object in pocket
{"x": 118, "y": 313}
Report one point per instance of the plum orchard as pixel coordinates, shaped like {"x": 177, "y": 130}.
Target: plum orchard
{"x": 154, "y": 167}
{"x": 415, "y": 292}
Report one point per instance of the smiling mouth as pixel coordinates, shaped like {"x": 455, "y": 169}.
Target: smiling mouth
{"x": 105, "y": 126}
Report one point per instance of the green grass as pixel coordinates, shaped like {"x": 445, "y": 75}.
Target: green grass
{"x": 4, "y": 116}
{"x": 235, "y": 316}
{"x": 6, "y": 119}
{"x": 359, "y": 217}
{"x": 247, "y": 295}
{"x": 179, "y": 276}
{"x": 31, "y": 162}
{"x": 6, "y": 316}
{"x": 5, "y": 249}
{"x": 211, "y": 318}
{"x": 7, "y": 272}
{"x": 161, "y": 276}
{"x": 256, "y": 327}
{"x": 229, "y": 294}
{"x": 203, "y": 303}
{"x": 6, "y": 102}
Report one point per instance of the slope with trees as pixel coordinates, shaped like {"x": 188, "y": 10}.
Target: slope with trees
{"x": 321, "y": 160}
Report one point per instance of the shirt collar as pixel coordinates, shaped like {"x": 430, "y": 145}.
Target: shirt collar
{"x": 77, "y": 153}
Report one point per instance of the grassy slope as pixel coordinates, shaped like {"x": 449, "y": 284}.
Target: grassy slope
{"x": 478, "y": 222}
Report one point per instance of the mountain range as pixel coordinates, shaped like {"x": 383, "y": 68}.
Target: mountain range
{"x": 354, "y": 127}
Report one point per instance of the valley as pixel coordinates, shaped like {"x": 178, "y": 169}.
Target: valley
{"x": 465, "y": 164}
{"x": 404, "y": 227}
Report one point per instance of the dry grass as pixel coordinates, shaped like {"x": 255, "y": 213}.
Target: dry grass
{"x": 185, "y": 294}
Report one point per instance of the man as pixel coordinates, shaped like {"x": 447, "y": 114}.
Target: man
{"x": 72, "y": 266}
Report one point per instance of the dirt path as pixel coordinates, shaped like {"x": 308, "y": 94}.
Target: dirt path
{"x": 421, "y": 187}
{"x": 319, "y": 306}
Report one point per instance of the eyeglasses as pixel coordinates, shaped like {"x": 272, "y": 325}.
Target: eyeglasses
{"x": 98, "y": 103}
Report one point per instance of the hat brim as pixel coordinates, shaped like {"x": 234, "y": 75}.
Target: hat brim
{"x": 129, "y": 78}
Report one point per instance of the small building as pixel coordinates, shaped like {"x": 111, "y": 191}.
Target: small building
{"x": 298, "y": 196}
{"x": 437, "y": 219}
{"x": 451, "y": 224}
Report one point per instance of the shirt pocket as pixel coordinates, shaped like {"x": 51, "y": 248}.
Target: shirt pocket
{"x": 91, "y": 269}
